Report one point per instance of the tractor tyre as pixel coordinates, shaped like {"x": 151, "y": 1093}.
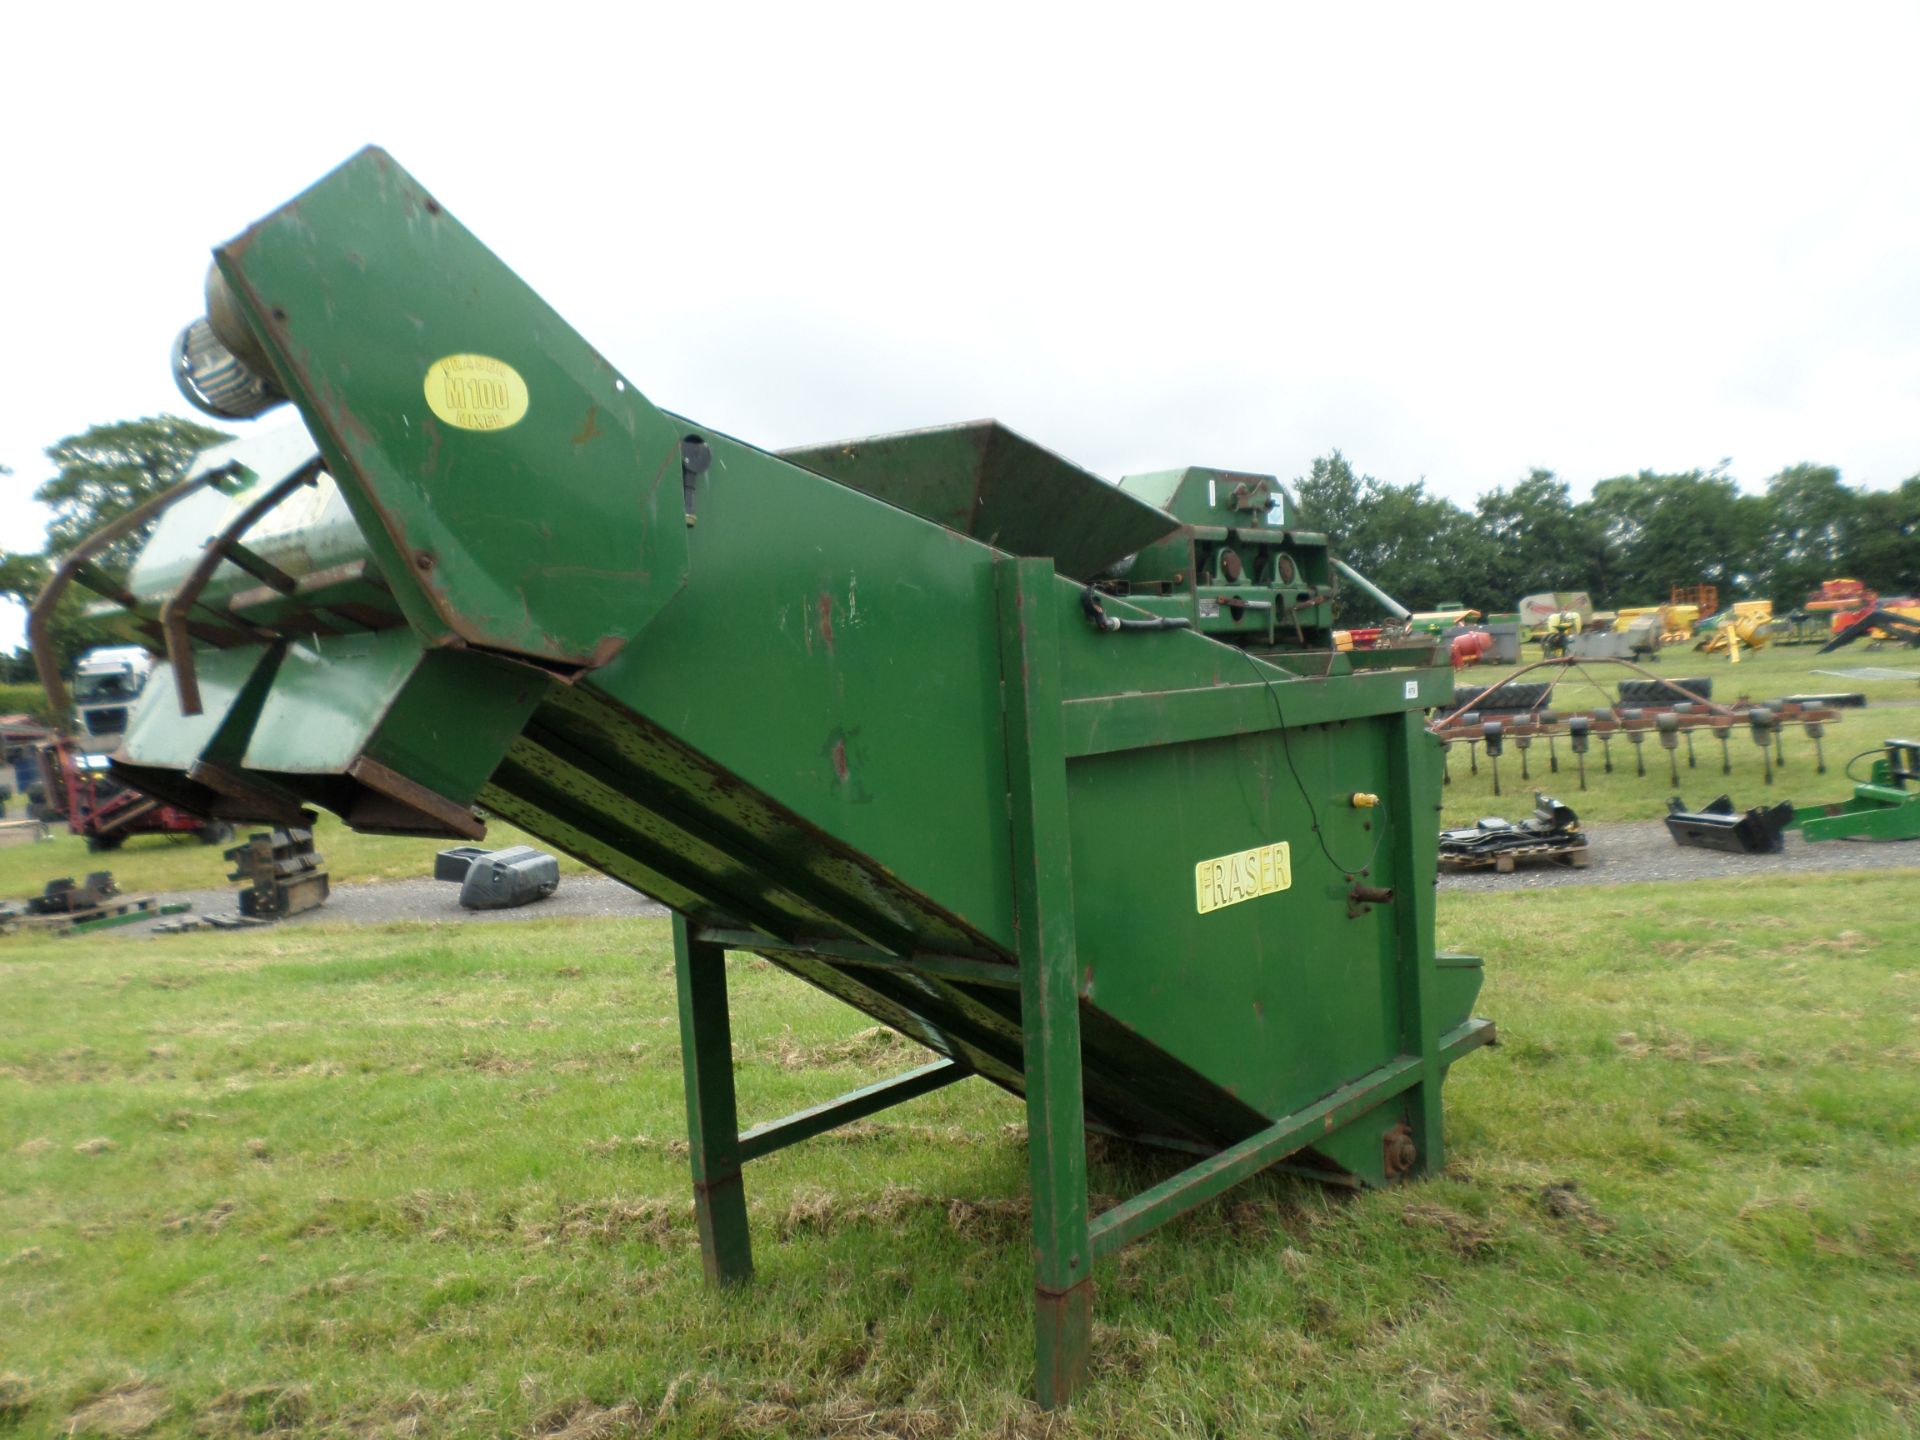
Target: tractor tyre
{"x": 97, "y": 843}
{"x": 1505, "y": 697}
{"x": 214, "y": 832}
{"x": 1665, "y": 692}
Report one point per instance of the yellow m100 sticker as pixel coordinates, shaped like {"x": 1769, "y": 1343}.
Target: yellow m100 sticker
{"x": 1243, "y": 875}
{"x": 476, "y": 392}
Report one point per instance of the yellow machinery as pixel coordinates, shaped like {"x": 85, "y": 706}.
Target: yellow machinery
{"x": 1746, "y": 626}
{"x": 1676, "y": 621}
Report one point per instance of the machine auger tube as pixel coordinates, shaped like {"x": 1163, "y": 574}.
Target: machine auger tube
{"x": 844, "y": 708}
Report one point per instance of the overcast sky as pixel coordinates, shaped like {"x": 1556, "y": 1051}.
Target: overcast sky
{"x": 1455, "y": 241}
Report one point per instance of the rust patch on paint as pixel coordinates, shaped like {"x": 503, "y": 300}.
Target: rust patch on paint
{"x": 825, "y": 608}
{"x": 840, "y": 760}
{"x": 589, "y": 428}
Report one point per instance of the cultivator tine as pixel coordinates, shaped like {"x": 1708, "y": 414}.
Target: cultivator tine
{"x": 1760, "y": 719}
{"x": 1603, "y": 721}
{"x": 1579, "y": 728}
{"x": 1669, "y": 726}
{"x": 1637, "y": 737}
{"x": 1661, "y": 712}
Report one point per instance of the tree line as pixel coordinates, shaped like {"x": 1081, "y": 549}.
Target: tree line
{"x": 1629, "y": 543}
{"x": 98, "y": 475}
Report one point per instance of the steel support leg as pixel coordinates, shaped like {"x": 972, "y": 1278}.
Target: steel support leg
{"x": 1030, "y": 616}
{"x": 713, "y": 1126}
{"x": 1415, "y": 863}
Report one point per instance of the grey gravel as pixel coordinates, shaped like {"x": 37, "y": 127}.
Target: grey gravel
{"x": 1623, "y": 853}
{"x": 1632, "y": 851}
{"x": 383, "y": 902}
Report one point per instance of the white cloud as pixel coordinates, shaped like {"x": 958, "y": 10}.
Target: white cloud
{"x": 1455, "y": 241}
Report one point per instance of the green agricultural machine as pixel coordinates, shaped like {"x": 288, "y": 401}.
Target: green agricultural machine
{"x": 1884, "y": 806}
{"x": 1061, "y": 778}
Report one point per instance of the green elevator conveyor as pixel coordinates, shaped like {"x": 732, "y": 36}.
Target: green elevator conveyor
{"x": 1063, "y": 779}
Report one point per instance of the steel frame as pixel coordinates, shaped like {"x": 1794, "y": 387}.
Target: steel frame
{"x": 1067, "y": 1238}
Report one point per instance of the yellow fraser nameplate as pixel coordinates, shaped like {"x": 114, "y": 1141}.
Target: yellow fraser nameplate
{"x": 1243, "y": 875}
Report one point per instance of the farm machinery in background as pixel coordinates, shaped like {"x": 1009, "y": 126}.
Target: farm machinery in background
{"x": 1885, "y": 805}
{"x": 1747, "y": 626}
{"x": 80, "y": 788}
{"x": 1515, "y": 716}
{"x": 1858, "y": 613}
{"x": 1843, "y": 611}
{"x": 75, "y": 779}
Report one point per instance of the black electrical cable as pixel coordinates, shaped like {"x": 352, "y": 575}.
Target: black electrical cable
{"x": 1847, "y": 769}
{"x": 1313, "y": 811}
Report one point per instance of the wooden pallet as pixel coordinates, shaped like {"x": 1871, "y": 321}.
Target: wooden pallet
{"x": 118, "y": 910}
{"x": 1572, "y": 857}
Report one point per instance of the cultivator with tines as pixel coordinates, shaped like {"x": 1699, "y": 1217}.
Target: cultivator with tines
{"x": 1063, "y": 779}
{"x": 1674, "y": 713}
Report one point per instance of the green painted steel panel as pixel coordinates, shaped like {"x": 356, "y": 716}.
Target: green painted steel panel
{"x": 557, "y": 535}
{"x": 163, "y": 737}
{"x": 1272, "y": 996}
{"x": 984, "y": 480}
{"x": 855, "y": 712}
{"x": 440, "y": 717}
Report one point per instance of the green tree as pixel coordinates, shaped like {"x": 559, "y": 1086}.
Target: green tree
{"x": 99, "y": 475}
{"x": 105, "y": 471}
{"x": 1329, "y": 497}
{"x": 1813, "y": 526}
{"x": 1884, "y": 550}
{"x": 1422, "y": 549}
{"x": 1539, "y": 539}
{"x": 1685, "y": 529}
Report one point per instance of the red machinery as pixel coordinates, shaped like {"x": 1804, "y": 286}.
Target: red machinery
{"x": 1845, "y": 600}
{"x": 106, "y": 812}
{"x": 1469, "y": 647}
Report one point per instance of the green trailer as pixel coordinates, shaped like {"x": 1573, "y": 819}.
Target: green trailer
{"x": 1061, "y": 778}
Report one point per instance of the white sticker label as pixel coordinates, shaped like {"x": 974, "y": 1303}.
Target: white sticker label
{"x": 1413, "y": 689}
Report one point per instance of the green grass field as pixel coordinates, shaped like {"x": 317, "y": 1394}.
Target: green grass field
{"x": 24, "y": 699}
{"x": 419, "y": 1181}
{"x": 1626, "y": 795}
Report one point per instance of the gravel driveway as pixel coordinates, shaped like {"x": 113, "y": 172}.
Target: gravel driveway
{"x": 1622, "y": 854}
{"x": 1627, "y": 852}
{"x": 384, "y": 901}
